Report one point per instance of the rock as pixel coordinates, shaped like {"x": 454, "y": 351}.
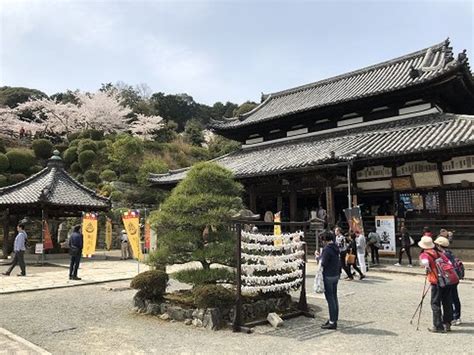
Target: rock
{"x": 188, "y": 313}
{"x": 164, "y": 307}
{"x": 139, "y": 301}
{"x": 153, "y": 309}
{"x": 197, "y": 322}
{"x": 188, "y": 321}
{"x": 212, "y": 319}
{"x": 177, "y": 313}
{"x": 275, "y": 320}
{"x": 198, "y": 313}
{"x": 165, "y": 316}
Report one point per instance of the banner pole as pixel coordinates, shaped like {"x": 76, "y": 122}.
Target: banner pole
{"x": 42, "y": 237}
{"x": 138, "y": 241}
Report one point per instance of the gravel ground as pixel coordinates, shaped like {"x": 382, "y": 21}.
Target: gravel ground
{"x": 375, "y": 315}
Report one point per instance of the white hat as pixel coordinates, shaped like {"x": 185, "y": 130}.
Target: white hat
{"x": 124, "y": 231}
{"x": 426, "y": 243}
{"x": 443, "y": 241}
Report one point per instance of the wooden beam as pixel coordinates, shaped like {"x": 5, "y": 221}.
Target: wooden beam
{"x": 330, "y": 208}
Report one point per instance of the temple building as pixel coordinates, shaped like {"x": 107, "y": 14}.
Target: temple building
{"x": 395, "y": 138}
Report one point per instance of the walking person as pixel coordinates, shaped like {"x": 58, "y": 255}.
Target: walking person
{"x": 352, "y": 250}
{"x": 75, "y": 250}
{"x": 342, "y": 244}
{"x": 361, "y": 246}
{"x": 19, "y": 247}
{"x": 441, "y": 299}
{"x": 124, "y": 245}
{"x": 406, "y": 242}
{"x": 330, "y": 263}
{"x": 375, "y": 244}
{"x": 442, "y": 243}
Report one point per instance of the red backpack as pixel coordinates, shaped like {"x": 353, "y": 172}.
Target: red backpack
{"x": 445, "y": 271}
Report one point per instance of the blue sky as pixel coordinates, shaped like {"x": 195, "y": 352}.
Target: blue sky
{"x": 215, "y": 50}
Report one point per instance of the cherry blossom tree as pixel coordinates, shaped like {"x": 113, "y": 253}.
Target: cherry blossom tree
{"x": 145, "y": 126}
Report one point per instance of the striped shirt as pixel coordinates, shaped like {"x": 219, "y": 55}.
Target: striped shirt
{"x": 20, "y": 241}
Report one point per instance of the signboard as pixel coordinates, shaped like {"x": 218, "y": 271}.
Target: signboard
{"x": 374, "y": 172}
{"x": 39, "y": 248}
{"x": 385, "y": 227}
{"x": 402, "y": 183}
{"x": 427, "y": 179}
{"x": 89, "y": 233}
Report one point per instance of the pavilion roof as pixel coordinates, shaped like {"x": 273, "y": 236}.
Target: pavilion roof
{"x": 384, "y": 139}
{"x": 411, "y": 70}
{"x": 52, "y": 187}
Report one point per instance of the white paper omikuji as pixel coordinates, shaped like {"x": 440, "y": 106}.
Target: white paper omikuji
{"x": 259, "y": 255}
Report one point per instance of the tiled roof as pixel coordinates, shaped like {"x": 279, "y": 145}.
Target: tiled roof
{"x": 52, "y": 186}
{"x": 407, "y": 71}
{"x": 404, "y": 136}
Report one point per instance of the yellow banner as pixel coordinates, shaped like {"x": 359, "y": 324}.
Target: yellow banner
{"x": 89, "y": 233}
{"x": 108, "y": 233}
{"x": 131, "y": 221}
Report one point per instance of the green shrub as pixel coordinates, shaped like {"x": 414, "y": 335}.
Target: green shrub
{"x": 199, "y": 153}
{"x": 73, "y": 136}
{"x": 16, "y": 178}
{"x": 213, "y": 296}
{"x": 43, "y": 148}
{"x": 205, "y": 276}
{"x": 80, "y": 178}
{"x": 116, "y": 196}
{"x": 61, "y": 147}
{"x": 108, "y": 175}
{"x": 35, "y": 169}
{"x": 90, "y": 185}
{"x": 101, "y": 145}
{"x": 4, "y": 162}
{"x": 2, "y": 146}
{"x": 92, "y": 134}
{"x": 86, "y": 158}
{"x": 75, "y": 167}
{"x": 20, "y": 160}
{"x": 151, "y": 283}
{"x": 70, "y": 155}
{"x": 86, "y": 144}
{"x": 128, "y": 178}
{"x": 106, "y": 190}
{"x": 155, "y": 166}
{"x": 3, "y": 181}
{"x": 91, "y": 176}
{"x": 126, "y": 153}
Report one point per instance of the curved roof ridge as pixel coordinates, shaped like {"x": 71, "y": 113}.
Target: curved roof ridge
{"x": 83, "y": 187}
{"x": 27, "y": 180}
{"x": 437, "y": 46}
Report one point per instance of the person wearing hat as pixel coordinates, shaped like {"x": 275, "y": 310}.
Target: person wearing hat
{"x": 441, "y": 301}
{"x": 124, "y": 245}
{"x": 442, "y": 244}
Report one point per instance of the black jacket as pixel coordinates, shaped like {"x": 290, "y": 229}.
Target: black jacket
{"x": 330, "y": 260}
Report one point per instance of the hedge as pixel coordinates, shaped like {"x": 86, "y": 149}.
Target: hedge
{"x": 92, "y": 176}
{"x": 86, "y": 158}
{"x": 20, "y": 160}
{"x": 4, "y": 163}
{"x": 108, "y": 175}
{"x": 213, "y": 296}
{"x": 152, "y": 284}
{"x": 43, "y": 148}
{"x": 70, "y": 155}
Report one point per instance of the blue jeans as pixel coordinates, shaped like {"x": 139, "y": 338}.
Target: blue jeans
{"x": 330, "y": 292}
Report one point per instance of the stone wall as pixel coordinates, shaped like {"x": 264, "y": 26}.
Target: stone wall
{"x": 212, "y": 318}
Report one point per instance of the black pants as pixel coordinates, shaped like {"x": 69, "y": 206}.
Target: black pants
{"x": 456, "y": 302}
{"x": 330, "y": 292}
{"x": 356, "y": 268}
{"x": 441, "y": 305}
{"x": 344, "y": 266}
{"x": 400, "y": 254}
{"x": 74, "y": 266}
{"x": 19, "y": 258}
{"x": 374, "y": 253}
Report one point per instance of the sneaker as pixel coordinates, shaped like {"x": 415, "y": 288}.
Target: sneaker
{"x": 436, "y": 330}
{"x": 349, "y": 279}
{"x": 397, "y": 264}
{"x": 447, "y": 327}
{"x": 361, "y": 277}
{"x": 21, "y": 275}
{"x": 456, "y": 322}
{"x": 5, "y": 274}
{"x": 325, "y": 323}
{"x": 409, "y": 265}
{"x": 76, "y": 278}
{"x": 332, "y": 326}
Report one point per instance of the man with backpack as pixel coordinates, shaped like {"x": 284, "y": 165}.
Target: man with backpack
{"x": 375, "y": 244}
{"x": 442, "y": 243}
{"x": 441, "y": 275}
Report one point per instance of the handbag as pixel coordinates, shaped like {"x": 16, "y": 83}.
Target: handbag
{"x": 318, "y": 281}
{"x": 350, "y": 259}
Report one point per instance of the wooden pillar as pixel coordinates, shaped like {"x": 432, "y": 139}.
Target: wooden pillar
{"x": 443, "y": 209}
{"x": 293, "y": 203}
{"x": 331, "y": 211}
{"x": 6, "y": 234}
{"x": 355, "y": 201}
{"x": 279, "y": 202}
{"x": 252, "y": 199}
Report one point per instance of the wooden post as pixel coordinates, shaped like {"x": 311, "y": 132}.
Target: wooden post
{"x": 293, "y": 203}
{"x": 331, "y": 212}
{"x": 252, "y": 199}
{"x": 6, "y": 233}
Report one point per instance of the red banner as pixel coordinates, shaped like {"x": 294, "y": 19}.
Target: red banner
{"x": 147, "y": 235}
{"x": 47, "y": 240}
